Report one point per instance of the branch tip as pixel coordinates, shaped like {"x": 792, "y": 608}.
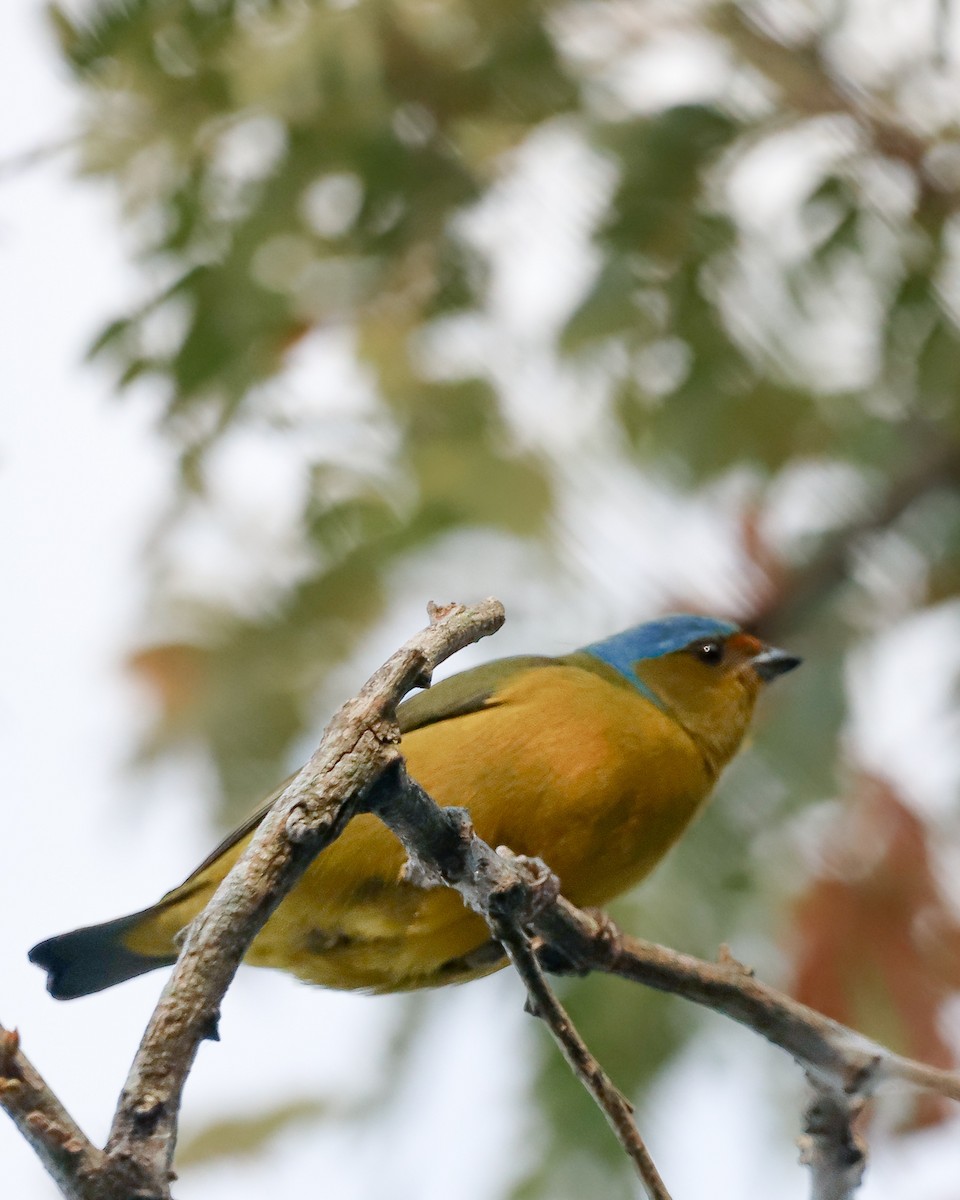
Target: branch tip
{"x": 9, "y": 1048}
{"x": 419, "y": 874}
{"x": 726, "y": 958}
{"x": 438, "y": 612}
{"x": 211, "y": 1031}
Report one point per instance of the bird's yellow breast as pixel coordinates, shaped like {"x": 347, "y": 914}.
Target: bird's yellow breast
{"x": 594, "y": 762}
{"x": 562, "y": 763}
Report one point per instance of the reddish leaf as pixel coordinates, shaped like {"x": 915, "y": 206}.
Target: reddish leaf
{"x": 175, "y": 673}
{"x": 874, "y": 942}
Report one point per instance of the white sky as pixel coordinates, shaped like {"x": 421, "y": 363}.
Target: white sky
{"x": 80, "y": 477}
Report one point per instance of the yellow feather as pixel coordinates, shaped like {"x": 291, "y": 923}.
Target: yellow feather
{"x": 571, "y": 760}
{"x": 568, "y": 764}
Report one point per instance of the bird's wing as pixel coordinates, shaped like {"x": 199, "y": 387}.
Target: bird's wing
{"x": 237, "y": 835}
{"x": 456, "y": 696}
{"x": 465, "y": 693}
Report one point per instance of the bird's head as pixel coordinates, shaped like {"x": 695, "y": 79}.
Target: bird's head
{"x": 703, "y": 672}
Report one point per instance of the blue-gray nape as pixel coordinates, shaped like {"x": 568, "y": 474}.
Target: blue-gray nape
{"x": 654, "y": 639}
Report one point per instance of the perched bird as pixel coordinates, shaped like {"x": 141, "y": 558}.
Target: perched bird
{"x": 595, "y": 762}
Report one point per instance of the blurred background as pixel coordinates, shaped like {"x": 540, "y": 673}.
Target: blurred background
{"x": 314, "y": 312}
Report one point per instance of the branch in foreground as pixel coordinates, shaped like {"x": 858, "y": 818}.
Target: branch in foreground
{"x": 843, "y": 1066}
{"x": 60, "y": 1143}
{"x": 837, "y": 1059}
{"x": 508, "y": 891}
{"x": 358, "y": 746}
{"x": 831, "y": 1148}
{"x": 519, "y": 899}
{"x": 544, "y": 1004}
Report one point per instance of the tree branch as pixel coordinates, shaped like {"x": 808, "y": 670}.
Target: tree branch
{"x": 543, "y": 1003}
{"x": 59, "y": 1142}
{"x": 359, "y": 766}
{"x": 510, "y": 892}
{"x": 843, "y": 1067}
{"x": 831, "y": 1148}
{"x": 357, "y": 747}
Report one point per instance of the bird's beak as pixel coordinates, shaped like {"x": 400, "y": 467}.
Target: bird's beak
{"x": 771, "y": 662}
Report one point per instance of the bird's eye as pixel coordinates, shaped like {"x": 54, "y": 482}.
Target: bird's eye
{"x": 709, "y": 652}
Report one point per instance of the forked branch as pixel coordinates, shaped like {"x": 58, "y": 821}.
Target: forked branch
{"x": 358, "y": 767}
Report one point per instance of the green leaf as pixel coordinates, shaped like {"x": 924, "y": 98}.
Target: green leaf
{"x": 248, "y": 1136}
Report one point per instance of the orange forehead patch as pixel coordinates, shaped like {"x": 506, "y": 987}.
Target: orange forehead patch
{"x": 745, "y": 644}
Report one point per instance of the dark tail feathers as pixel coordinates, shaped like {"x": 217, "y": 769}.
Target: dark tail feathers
{"x": 93, "y": 958}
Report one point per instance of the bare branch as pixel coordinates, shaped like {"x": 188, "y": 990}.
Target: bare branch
{"x": 60, "y": 1143}
{"x": 831, "y": 1148}
{"x": 509, "y": 891}
{"x": 359, "y": 766}
{"x": 357, "y": 747}
{"x": 544, "y": 1004}
{"x": 920, "y": 1076}
{"x": 836, "y": 1057}
{"x": 843, "y": 1066}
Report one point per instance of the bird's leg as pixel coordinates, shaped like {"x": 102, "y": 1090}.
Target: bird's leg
{"x": 562, "y": 960}
{"x": 555, "y": 961}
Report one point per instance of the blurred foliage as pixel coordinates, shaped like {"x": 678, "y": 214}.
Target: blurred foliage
{"x": 878, "y": 946}
{"x": 247, "y": 1137}
{"x": 773, "y": 296}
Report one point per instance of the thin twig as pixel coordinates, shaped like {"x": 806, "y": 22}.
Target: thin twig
{"x": 508, "y": 891}
{"x": 488, "y": 881}
{"x": 831, "y": 1147}
{"x": 544, "y": 1004}
{"x": 843, "y": 1066}
{"x": 836, "y": 1057}
{"x": 920, "y": 1076}
{"x": 62, "y": 1146}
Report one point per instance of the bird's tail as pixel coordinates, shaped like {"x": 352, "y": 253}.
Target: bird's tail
{"x": 95, "y": 957}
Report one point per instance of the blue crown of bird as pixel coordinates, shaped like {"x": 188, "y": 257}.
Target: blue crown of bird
{"x": 594, "y": 761}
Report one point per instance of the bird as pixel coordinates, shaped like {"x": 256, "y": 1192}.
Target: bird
{"x": 594, "y": 761}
